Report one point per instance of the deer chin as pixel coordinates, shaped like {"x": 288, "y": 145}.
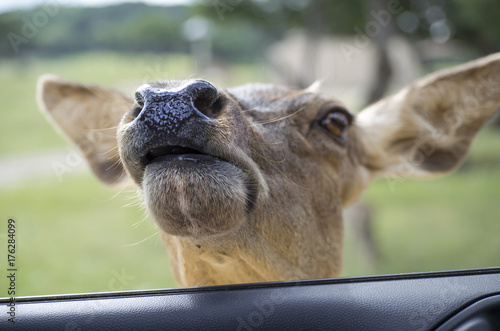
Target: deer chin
{"x": 196, "y": 196}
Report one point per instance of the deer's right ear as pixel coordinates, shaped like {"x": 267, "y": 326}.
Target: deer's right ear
{"x": 426, "y": 129}
{"x": 88, "y": 116}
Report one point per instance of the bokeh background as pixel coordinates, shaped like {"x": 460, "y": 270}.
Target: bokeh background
{"x": 75, "y": 235}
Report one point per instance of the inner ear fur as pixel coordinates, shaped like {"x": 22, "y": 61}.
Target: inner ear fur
{"x": 88, "y": 116}
{"x": 426, "y": 129}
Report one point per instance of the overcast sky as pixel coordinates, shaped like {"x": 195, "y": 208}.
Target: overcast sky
{"x": 7, "y": 5}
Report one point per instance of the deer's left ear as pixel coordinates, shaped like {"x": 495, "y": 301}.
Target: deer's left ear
{"x": 426, "y": 129}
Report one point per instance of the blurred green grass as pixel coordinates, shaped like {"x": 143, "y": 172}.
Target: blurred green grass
{"x": 77, "y": 236}
{"x": 446, "y": 223}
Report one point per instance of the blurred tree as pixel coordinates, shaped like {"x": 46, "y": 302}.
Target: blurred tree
{"x": 125, "y": 27}
{"x": 382, "y": 78}
{"x": 242, "y": 28}
{"x": 477, "y": 23}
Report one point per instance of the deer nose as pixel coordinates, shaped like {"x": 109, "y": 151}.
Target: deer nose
{"x": 170, "y": 108}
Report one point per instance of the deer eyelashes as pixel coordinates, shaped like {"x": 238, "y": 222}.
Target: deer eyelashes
{"x": 336, "y": 120}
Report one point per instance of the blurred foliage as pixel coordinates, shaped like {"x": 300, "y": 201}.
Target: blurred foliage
{"x": 129, "y": 26}
{"x": 472, "y": 22}
{"x": 132, "y": 27}
{"x": 240, "y": 29}
{"x": 276, "y": 17}
{"x": 477, "y": 23}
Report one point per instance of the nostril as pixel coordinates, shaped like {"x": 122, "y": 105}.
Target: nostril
{"x": 205, "y": 98}
{"x": 139, "y": 100}
{"x": 208, "y": 103}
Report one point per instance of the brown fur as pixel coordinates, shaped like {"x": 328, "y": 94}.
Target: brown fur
{"x": 273, "y": 209}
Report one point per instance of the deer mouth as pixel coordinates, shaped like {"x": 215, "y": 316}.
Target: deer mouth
{"x": 177, "y": 153}
{"x": 191, "y": 193}
{"x": 174, "y": 163}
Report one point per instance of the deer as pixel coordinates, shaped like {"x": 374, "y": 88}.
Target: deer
{"x": 247, "y": 184}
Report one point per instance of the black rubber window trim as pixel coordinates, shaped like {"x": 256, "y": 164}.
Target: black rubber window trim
{"x": 308, "y": 282}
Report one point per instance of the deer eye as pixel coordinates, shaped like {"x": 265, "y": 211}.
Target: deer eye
{"x": 335, "y": 122}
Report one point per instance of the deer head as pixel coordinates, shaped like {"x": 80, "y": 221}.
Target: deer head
{"x": 248, "y": 184}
